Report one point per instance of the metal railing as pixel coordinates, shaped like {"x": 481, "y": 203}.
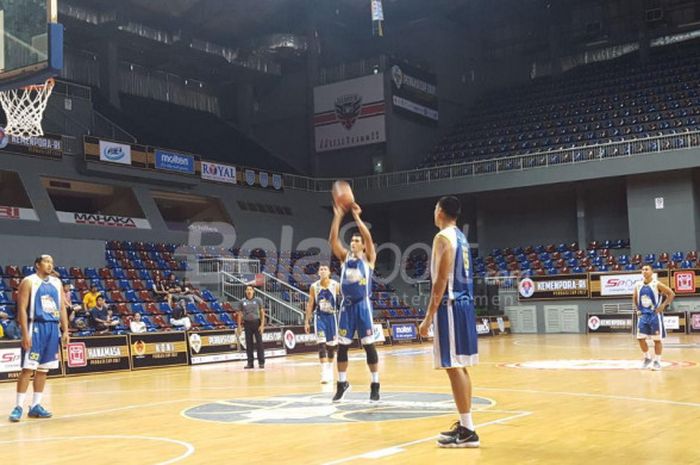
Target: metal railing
{"x": 293, "y": 296}
{"x": 105, "y": 127}
{"x": 544, "y": 159}
{"x": 278, "y": 311}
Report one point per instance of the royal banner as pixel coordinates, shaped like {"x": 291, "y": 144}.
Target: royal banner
{"x": 619, "y": 285}
{"x": 574, "y": 286}
{"x": 610, "y": 323}
{"x": 214, "y": 346}
{"x": 11, "y": 359}
{"x": 108, "y": 221}
{"x": 47, "y": 146}
{"x": 96, "y": 354}
{"x": 149, "y": 350}
{"x": 414, "y": 92}
{"x": 218, "y": 172}
{"x": 349, "y": 113}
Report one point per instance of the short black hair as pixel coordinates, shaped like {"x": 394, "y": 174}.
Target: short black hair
{"x": 40, "y": 259}
{"x": 99, "y": 296}
{"x": 451, "y": 206}
{"x": 357, "y": 234}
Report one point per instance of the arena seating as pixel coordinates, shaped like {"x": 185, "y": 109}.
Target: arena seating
{"x": 615, "y": 101}
{"x": 550, "y": 259}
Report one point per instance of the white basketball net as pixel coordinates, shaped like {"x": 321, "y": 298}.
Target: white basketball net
{"x": 24, "y": 107}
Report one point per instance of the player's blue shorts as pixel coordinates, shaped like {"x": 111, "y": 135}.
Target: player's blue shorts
{"x": 355, "y": 316}
{"x": 326, "y": 327}
{"x": 651, "y": 325}
{"x": 455, "y": 343}
{"x": 43, "y": 355}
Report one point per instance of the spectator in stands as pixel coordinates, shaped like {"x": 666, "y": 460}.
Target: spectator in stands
{"x": 179, "y": 319}
{"x": 188, "y": 294}
{"x": 68, "y": 296}
{"x": 161, "y": 291}
{"x": 173, "y": 288}
{"x": 90, "y": 298}
{"x": 101, "y": 315}
{"x": 136, "y": 325}
{"x": 80, "y": 319}
{"x": 9, "y": 329}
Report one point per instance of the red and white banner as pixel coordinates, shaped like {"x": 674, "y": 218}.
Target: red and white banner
{"x": 17, "y": 213}
{"x": 349, "y": 113}
{"x": 618, "y": 284}
{"x": 110, "y": 221}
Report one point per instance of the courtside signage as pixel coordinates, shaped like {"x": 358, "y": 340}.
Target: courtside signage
{"x": 553, "y": 287}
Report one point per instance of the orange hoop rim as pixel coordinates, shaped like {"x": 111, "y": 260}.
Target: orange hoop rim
{"x": 50, "y": 82}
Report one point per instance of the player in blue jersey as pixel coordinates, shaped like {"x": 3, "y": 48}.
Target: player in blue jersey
{"x": 356, "y": 308}
{"x": 322, "y": 304}
{"x": 650, "y": 308}
{"x": 451, "y": 313}
{"x": 40, "y": 309}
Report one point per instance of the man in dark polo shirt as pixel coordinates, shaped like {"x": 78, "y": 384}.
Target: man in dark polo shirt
{"x": 253, "y": 316}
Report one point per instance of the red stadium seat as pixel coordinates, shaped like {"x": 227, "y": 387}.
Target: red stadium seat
{"x": 138, "y": 285}
{"x": 111, "y": 285}
{"x": 116, "y": 296}
{"x": 152, "y": 308}
{"x": 123, "y": 309}
{"x": 145, "y": 296}
{"x": 105, "y": 273}
{"x": 76, "y": 273}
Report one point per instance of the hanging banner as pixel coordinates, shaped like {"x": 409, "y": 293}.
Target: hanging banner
{"x": 350, "y": 113}
{"x": 48, "y": 145}
{"x": 218, "y": 172}
{"x": 296, "y": 341}
{"x": 17, "y": 213}
{"x": 114, "y": 152}
{"x": 685, "y": 282}
{"x": 414, "y": 92}
{"x": 174, "y": 161}
{"x": 109, "y": 221}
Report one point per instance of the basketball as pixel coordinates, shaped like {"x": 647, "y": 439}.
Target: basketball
{"x": 342, "y": 195}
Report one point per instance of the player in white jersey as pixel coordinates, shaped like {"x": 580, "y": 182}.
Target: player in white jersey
{"x": 451, "y": 313}
{"x": 322, "y": 305}
{"x": 650, "y": 310}
{"x": 40, "y": 309}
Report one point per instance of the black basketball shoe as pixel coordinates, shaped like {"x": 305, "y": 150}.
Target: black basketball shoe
{"x": 463, "y": 438}
{"x": 374, "y": 392}
{"x": 343, "y": 387}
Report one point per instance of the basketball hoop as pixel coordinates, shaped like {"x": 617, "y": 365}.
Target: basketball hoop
{"x": 24, "y": 108}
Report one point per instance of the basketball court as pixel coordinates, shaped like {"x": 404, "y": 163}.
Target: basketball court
{"x": 538, "y": 399}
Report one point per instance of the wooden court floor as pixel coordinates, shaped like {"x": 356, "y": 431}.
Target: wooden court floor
{"x": 531, "y": 407}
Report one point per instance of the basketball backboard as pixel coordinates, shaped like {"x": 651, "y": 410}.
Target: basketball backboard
{"x": 31, "y": 42}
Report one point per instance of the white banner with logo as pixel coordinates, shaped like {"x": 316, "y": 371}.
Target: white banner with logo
{"x": 10, "y": 358}
{"x": 114, "y": 152}
{"x": 17, "y": 213}
{"x": 218, "y": 172}
{"x": 350, "y": 113}
{"x": 618, "y": 284}
{"x": 111, "y": 221}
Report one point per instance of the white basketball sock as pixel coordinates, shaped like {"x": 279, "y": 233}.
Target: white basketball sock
{"x": 465, "y": 419}
{"x": 375, "y": 376}
{"x": 657, "y": 358}
{"x": 21, "y": 397}
{"x": 36, "y": 400}
{"x": 342, "y": 376}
